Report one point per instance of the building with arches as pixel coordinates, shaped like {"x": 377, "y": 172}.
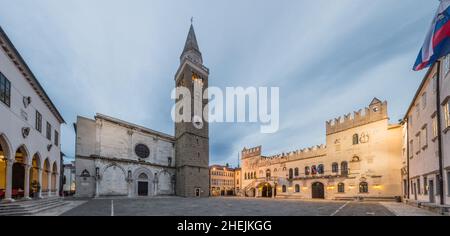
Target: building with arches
{"x": 118, "y": 158}
{"x": 362, "y": 158}
{"x": 30, "y": 151}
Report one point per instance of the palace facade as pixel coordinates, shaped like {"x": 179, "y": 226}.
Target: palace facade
{"x": 362, "y": 158}
{"x": 30, "y": 150}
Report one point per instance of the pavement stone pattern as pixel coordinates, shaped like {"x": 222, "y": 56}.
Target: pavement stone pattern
{"x": 233, "y": 206}
{"x": 61, "y": 209}
{"x": 401, "y": 209}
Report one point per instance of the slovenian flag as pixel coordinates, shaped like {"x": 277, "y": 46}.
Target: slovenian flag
{"x": 437, "y": 42}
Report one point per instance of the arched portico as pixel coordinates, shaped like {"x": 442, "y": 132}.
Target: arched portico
{"x": 265, "y": 190}
{"x": 5, "y": 168}
{"x": 35, "y": 174}
{"x": 20, "y": 173}
{"x": 54, "y": 179}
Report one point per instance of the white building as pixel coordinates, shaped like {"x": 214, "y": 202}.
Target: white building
{"x": 29, "y": 131}
{"x": 117, "y": 158}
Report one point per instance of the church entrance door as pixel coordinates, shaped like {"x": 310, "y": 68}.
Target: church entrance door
{"x": 318, "y": 190}
{"x": 142, "y": 188}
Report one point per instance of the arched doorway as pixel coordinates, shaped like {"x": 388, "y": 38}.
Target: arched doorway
{"x": 54, "y": 174}
{"x": 143, "y": 185}
{"x": 4, "y": 154}
{"x": 318, "y": 190}
{"x": 45, "y": 174}
{"x": 18, "y": 173}
{"x": 34, "y": 175}
{"x": 266, "y": 190}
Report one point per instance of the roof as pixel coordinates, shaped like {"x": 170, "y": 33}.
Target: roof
{"x": 134, "y": 126}
{"x": 191, "y": 42}
{"x": 22, "y": 66}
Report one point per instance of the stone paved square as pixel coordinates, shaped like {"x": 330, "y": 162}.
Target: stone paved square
{"x": 232, "y": 206}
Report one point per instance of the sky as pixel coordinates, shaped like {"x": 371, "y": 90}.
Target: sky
{"x": 119, "y": 58}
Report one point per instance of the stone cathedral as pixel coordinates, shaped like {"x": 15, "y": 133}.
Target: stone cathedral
{"x": 118, "y": 158}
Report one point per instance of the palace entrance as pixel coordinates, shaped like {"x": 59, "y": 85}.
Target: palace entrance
{"x": 266, "y": 190}
{"x": 318, "y": 191}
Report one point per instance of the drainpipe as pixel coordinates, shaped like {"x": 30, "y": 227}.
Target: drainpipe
{"x": 438, "y": 117}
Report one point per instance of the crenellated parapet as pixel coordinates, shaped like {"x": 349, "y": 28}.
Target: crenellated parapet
{"x": 251, "y": 152}
{"x": 376, "y": 111}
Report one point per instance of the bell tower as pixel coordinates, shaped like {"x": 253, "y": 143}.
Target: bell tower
{"x": 192, "y": 138}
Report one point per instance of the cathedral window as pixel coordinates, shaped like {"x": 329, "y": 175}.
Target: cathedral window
{"x": 355, "y": 139}
{"x": 169, "y": 161}
{"x": 363, "y": 187}
{"x": 341, "y": 188}
{"x": 142, "y": 151}
{"x": 335, "y": 167}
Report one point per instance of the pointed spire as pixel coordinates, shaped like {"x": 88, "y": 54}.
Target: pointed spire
{"x": 191, "y": 49}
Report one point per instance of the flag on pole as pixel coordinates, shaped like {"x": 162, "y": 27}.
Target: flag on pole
{"x": 437, "y": 42}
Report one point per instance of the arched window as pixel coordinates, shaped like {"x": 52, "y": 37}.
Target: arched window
{"x": 355, "y": 139}
{"x": 344, "y": 168}
{"x": 291, "y": 173}
{"x": 320, "y": 169}
{"x": 363, "y": 187}
{"x": 341, "y": 188}
{"x": 313, "y": 170}
{"x": 335, "y": 167}
{"x": 268, "y": 174}
{"x": 296, "y": 172}
{"x": 254, "y": 175}
{"x": 307, "y": 170}
{"x": 284, "y": 188}
{"x": 297, "y": 188}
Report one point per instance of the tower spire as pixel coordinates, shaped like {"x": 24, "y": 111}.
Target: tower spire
{"x": 191, "y": 50}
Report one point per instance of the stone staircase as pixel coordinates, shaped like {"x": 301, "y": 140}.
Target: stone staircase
{"x": 31, "y": 207}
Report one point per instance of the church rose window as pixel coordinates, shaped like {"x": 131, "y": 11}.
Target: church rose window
{"x": 142, "y": 151}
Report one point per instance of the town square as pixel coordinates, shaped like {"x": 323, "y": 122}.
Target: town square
{"x": 109, "y": 108}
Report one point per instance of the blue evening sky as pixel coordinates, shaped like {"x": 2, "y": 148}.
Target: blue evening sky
{"x": 329, "y": 57}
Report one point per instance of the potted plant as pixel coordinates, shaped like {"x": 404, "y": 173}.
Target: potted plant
{"x": 36, "y": 187}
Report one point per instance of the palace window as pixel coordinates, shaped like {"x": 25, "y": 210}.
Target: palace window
{"x": 284, "y": 188}
{"x": 424, "y": 100}
{"x": 297, "y": 188}
{"x": 313, "y": 170}
{"x": 268, "y": 174}
{"x": 5, "y": 90}
{"x": 344, "y": 168}
{"x": 320, "y": 169}
{"x": 447, "y": 114}
{"x": 335, "y": 167}
{"x": 291, "y": 173}
{"x": 56, "y": 138}
{"x": 424, "y": 138}
{"x": 435, "y": 127}
{"x": 38, "y": 121}
{"x": 49, "y": 131}
{"x": 355, "y": 139}
{"x": 296, "y": 172}
{"x": 341, "y": 188}
{"x": 307, "y": 170}
{"x": 363, "y": 187}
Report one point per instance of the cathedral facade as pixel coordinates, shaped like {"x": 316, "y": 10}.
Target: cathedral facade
{"x": 118, "y": 158}
{"x": 361, "y": 160}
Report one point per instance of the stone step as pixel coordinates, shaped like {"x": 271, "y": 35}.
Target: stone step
{"x": 30, "y": 207}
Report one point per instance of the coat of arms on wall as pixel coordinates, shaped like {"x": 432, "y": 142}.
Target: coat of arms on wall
{"x": 364, "y": 138}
